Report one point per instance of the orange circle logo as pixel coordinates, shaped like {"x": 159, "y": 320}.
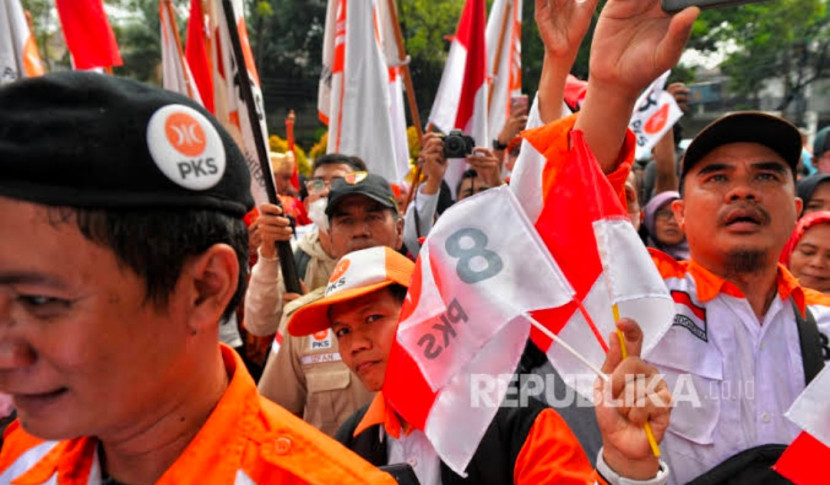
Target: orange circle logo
{"x": 339, "y": 270}
{"x": 657, "y": 121}
{"x": 321, "y": 335}
{"x": 185, "y": 134}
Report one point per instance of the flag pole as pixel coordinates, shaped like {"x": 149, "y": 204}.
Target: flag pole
{"x": 286, "y": 256}
{"x": 403, "y": 62}
{"x": 289, "y": 137}
{"x": 508, "y": 14}
{"x": 538, "y": 326}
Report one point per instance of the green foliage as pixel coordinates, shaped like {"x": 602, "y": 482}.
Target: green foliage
{"x": 787, "y": 39}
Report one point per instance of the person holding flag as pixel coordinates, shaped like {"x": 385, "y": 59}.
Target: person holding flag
{"x": 524, "y": 444}
{"x": 746, "y": 338}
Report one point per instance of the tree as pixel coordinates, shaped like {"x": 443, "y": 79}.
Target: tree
{"x": 786, "y": 40}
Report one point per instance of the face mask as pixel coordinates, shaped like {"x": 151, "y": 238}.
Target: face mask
{"x": 317, "y": 213}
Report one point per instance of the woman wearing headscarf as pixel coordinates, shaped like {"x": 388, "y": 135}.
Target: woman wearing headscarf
{"x": 814, "y": 191}
{"x": 807, "y": 254}
{"x": 664, "y": 233}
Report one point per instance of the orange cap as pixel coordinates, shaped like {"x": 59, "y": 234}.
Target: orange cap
{"x": 356, "y": 274}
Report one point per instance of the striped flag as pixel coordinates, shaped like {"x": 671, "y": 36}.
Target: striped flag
{"x": 196, "y": 53}
{"x": 584, "y": 225}
{"x": 461, "y": 100}
{"x": 354, "y": 94}
{"x": 462, "y": 321}
{"x": 811, "y": 412}
{"x": 88, "y": 34}
{"x": 19, "y": 57}
{"x": 176, "y": 75}
{"x": 230, "y": 107}
{"x": 504, "y": 61}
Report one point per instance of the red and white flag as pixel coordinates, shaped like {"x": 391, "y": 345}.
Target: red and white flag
{"x": 229, "y": 104}
{"x": 461, "y": 100}
{"x": 811, "y": 412}
{"x": 175, "y": 72}
{"x": 354, "y": 93}
{"x": 196, "y": 53}
{"x": 88, "y": 34}
{"x": 654, "y": 115}
{"x": 19, "y": 57}
{"x": 504, "y": 45}
{"x": 462, "y": 322}
{"x": 585, "y": 227}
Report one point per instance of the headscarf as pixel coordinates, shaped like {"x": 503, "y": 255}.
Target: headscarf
{"x": 679, "y": 251}
{"x": 805, "y": 223}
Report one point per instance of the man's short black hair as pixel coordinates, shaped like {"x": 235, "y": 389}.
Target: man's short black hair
{"x": 470, "y": 173}
{"x": 357, "y": 164}
{"x": 155, "y": 243}
{"x": 398, "y": 292}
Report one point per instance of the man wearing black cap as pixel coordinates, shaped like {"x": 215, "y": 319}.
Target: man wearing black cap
{"x": 122, "y": 248}
{"x": 740, "y": 349}
{"x": 306, "y": 375}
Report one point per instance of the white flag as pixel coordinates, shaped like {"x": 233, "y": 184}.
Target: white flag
{"x": 654, "y": 115}
{"x": 18, "y": 51}
{"x": 463, "y": 319}
{"x": 176, "y": 75}
{"x": 504, "y": 44}
{"x": 231, "y": 110}
{"x": 354, "y": 94}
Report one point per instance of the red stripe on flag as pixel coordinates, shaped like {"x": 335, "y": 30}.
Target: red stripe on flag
{"x": 800, "y": 461}
{"x": 684, "y": 299}
{"x": 88, "y": 34}
{"x": 196, "y": 54}
{"x": 409, "y": 394}
{"x": 471, "y": 35}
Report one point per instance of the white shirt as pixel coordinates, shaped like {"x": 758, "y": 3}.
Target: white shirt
{"x": 415, "y": 450}
{"x": 732, "y": 376}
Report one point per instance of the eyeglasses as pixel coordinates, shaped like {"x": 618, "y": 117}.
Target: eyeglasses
{"x": 319, "y": 184}
{"x": 664, "y": 215}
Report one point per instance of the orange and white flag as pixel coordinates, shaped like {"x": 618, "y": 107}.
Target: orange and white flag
{"x": 654, "y": 115}
{"x": 504, "y": 60}
{"x": 175, "y": 72}
{"x": 354, "y": 94}
{"x": 229, "y": 104}
{"x": 19, "y": 57}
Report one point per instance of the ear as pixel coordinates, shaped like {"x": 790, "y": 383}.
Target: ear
{"x": 679, "y": 208}
{"x": 215, "y": 274}
{"x": 799, "y": 207}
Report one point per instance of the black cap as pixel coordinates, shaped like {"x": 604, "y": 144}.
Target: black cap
{"x": 822, "y": 142}
{"x": 361, "y": 183}
{"x": 88, "y": 140}
{"x": 775, "y": 133}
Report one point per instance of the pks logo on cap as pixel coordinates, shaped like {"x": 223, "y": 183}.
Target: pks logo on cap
{"x": 185, "y": 134}
{"x": 355, "y": 178}
{"x": 339, "y": 270}
{"x": 186, "y": 147}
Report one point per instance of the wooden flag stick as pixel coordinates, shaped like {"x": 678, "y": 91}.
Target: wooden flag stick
{"x": 508, "y": 11}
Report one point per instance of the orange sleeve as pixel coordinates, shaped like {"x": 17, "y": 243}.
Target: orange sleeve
{"x": 553, "y": 142}
{"x": 551, "y": 453}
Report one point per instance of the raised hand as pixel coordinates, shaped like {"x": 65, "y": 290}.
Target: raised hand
{"x": 635, "y": 42}
{"x": 433, "y": 163}
{"x": 562, "y": 25}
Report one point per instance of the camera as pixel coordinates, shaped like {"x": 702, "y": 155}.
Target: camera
{"x": 458, "y": 145}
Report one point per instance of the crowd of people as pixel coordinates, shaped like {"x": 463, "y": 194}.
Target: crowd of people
{"x": 132, "y": 256}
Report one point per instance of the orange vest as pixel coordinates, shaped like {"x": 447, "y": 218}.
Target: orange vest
{"x": 245, "y": 440}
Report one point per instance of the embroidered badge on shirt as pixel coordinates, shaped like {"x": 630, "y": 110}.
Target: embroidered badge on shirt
{"x": 689, "y": 316}
{"x": 321, "y": 340}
